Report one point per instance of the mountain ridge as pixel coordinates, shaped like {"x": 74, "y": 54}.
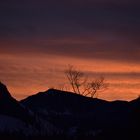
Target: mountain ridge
{"x": 66, "y": 115}
{"x": 10, "y": 106}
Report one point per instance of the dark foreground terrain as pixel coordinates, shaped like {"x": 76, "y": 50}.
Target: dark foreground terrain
{"x": 63, "y": 115}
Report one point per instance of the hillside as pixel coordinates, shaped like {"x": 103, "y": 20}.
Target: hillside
{"x": 57, "y": 114}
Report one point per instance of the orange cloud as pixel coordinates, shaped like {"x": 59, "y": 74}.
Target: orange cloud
{"x": 29, "y": 74}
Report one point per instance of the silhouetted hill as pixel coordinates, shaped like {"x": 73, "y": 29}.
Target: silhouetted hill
{"x": 61, "y": 101}
{"x": 4, "y": 93}
{"x": 56, "y": 114}
{"x": 135, "y": 102}
{"x": 79, "y": 110}
{"x": 10, "y": 106}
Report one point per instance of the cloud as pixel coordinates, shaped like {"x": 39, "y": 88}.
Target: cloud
{"x": 39, "y": 34}
{"x": 31, "y": 17}
{"x": 95, "y": 46}
{"x": 92, "y": 29}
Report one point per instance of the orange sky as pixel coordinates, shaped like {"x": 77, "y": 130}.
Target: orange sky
{"x": 39, "y": 38}
{"x": 28, "y": 74}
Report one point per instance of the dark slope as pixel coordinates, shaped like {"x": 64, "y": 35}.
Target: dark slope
{"x": 74, "y": 116}
{"x": 135, "y": 104}
{"x": 89, "y": 111}
{"x": 61, "y": 101}
{"x": 10, "y": 106}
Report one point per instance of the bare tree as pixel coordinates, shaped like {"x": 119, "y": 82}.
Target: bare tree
{"x": 81, "y": 85}
{"x": 75, "y": 78}
{"x": 95, "y": 86}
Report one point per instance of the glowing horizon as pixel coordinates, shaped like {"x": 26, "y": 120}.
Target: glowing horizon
{"x": 38, "y": 39}
{"x": 26, "y": 75}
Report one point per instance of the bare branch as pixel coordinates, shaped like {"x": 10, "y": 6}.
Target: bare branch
{"x": 80, "y": 84}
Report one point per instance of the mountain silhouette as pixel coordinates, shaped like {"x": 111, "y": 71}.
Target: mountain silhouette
{"x": 10, "y": 106}
{"x": 56, "y": 114}
{"x": 4, "y": 93}
{"x": 62, "y": 101}
{"x": 85, "y": 112}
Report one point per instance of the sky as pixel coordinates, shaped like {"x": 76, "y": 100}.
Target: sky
{"x": 39, "y": 38}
